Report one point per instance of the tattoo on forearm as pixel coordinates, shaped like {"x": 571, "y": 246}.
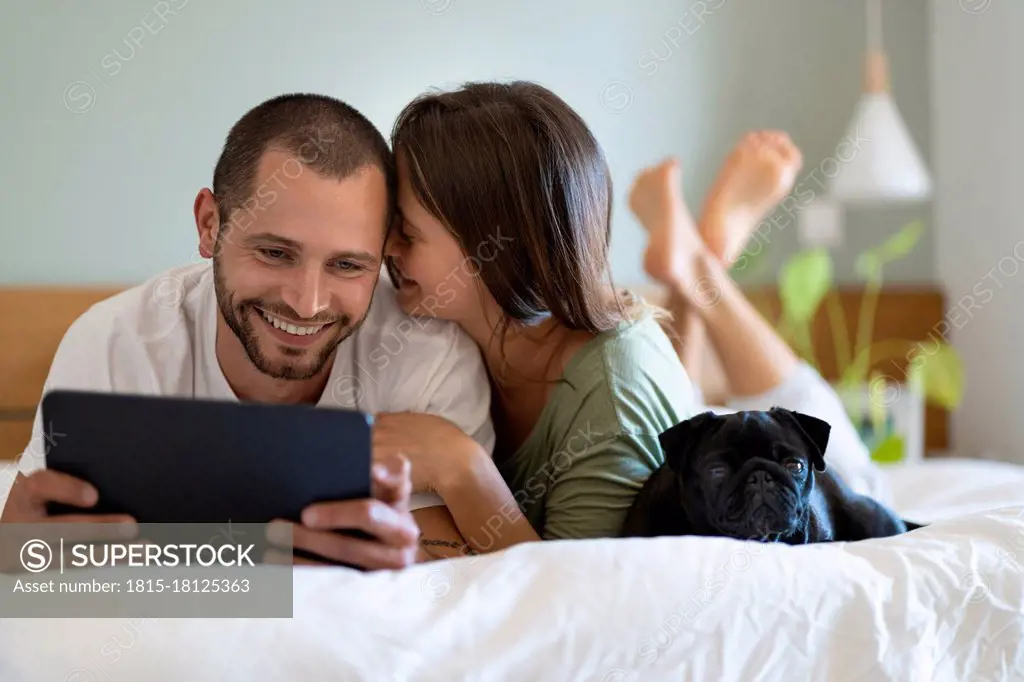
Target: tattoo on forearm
{"x": 463, "y": 548}
{"x": 427, "y": 542}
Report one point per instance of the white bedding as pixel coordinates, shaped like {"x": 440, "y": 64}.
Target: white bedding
{"x": 943, "y": 603}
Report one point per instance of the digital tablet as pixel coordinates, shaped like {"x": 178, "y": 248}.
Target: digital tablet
{"x": 181, "y": 460}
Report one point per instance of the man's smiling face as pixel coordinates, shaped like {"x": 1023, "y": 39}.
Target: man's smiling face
{"x": 295, "y": 269}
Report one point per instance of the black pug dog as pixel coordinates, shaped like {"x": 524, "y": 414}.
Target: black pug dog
{"x": 757, "y": 475}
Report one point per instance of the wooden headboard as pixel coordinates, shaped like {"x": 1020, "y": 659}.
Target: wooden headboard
{"x": 33, "y": 321}
{"x": 911, "y": 313}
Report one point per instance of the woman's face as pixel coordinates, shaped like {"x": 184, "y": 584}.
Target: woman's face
{"x": 435, "y": 277}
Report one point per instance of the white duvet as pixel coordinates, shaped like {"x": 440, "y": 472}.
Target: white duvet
{"x": 942, "y": 603}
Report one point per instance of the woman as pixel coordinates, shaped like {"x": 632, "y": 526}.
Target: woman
{"x": 505, "y": 199}
{"x": 505, "y": 202}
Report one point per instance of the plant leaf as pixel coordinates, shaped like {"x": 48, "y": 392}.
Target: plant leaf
{"x": 900, "y": 244}
{"x": 869, "y": 265}
{"x": 870, "y": 262}
{"x": 890, "y": 450}
{"x": 803, "y": 282}
{"x": 941, "y": 373}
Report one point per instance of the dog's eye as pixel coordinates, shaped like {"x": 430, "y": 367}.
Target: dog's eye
{"x": 795, "y": 465}
{"x": 718, "y": 471}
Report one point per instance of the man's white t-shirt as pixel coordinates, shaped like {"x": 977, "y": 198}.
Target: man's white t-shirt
{"x": 159, "y": 338}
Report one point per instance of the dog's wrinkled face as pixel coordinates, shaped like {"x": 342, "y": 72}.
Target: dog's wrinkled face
{"x": 748, "y": 475}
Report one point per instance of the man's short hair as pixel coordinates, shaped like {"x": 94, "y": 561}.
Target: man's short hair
{"x": 326, "y": 135}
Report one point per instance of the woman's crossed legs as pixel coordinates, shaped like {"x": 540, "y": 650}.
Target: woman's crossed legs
{"x": 691, "y": 261}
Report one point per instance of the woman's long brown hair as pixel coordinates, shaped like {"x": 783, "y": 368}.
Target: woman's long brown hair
{"x": 522, "y": 184}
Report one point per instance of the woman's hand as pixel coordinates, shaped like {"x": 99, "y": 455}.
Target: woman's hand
{"x": 438, "y": 450}
{"x": 447, "y": 461}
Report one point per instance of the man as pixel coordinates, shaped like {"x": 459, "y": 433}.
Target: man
{"x": 289, "y": 312}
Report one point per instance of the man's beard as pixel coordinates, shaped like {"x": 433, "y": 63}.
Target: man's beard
{"x": 236, "y": 315}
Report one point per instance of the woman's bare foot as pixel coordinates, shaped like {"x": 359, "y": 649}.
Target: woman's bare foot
{"x": 656, "y": 198}
{"x": 758, "y": 174}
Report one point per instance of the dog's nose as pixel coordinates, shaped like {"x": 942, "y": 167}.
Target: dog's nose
{"x": 761, "y": 480}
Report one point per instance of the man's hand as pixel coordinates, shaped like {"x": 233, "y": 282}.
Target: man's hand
{"x": 30, "y": 494}
{"x": 27, "y": 504}
{"x": 386, "y": 517}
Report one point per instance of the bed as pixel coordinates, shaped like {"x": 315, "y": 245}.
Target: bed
{"x": 945, "y": 602}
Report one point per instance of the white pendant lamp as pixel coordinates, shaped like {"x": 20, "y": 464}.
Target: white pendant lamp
{"x": 887, "y": 167}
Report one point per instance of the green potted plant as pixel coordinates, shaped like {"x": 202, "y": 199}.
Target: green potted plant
{"x": 884, "y": 410}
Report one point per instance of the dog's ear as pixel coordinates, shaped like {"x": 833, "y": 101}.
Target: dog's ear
{"x": 679, "y": 442}
{"x": 815, "y": 432}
